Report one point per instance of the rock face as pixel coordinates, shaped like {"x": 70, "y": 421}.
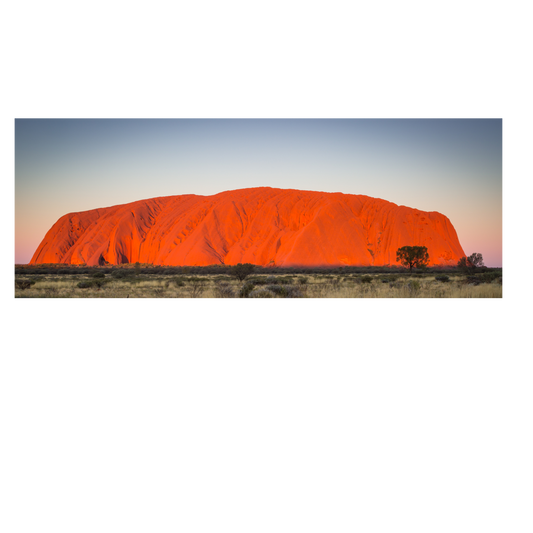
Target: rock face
{"x": 264, "y": 226}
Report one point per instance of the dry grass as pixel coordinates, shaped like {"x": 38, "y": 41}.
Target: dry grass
{"x": 405, "y": 288}
{"x": 316, "y": 286}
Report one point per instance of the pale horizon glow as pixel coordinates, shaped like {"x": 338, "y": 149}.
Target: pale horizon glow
{"x": 450, "y": 166}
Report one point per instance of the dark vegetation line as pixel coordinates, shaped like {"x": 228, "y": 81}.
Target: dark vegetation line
{"x": 146, "y": 269}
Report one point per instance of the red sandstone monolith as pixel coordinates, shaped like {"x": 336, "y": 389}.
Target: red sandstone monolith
{"x": 263, "y": 226}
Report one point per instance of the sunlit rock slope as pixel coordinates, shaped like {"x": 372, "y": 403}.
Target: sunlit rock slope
{"x": 264, "y": 226}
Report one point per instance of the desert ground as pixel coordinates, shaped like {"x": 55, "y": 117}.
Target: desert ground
{"x": 147, "y": 281}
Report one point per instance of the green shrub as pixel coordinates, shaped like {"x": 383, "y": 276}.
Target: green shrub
{"x": 443, "y": 278}
{"x": 98, "y": 275}
{"x": 366, "y": 279}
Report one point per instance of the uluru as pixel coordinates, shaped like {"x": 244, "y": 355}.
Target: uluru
{"x": 263, "y": 226}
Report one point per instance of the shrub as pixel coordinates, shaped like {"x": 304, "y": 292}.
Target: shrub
{"x": 413, "y": 286}
{"x": 276, "y": 289}
{"x": 98, "y": 275}
{"x": 285, "y": 291}
{"x": 24, "y": 284}
{"x": 443, "y": 278}
{"x": 224, "y": 290}
{"x": 273, "y": 280}
{"x": 285, "y": 281}
{"x": 489, "y": 277}
{"x": 261, "y": 293}
{"x": 195, "y": 279}
{"x": 485, "y": 277}
{"x": 195, "y": 289}
{"x": 241, "y": 271}
{"x": 293, "y": 292}
{"x": 121, "y": 273}
{"x": 260, "y": 280}
{"x": 366, "y": 279}
{"x": 89, "y": 283}
{"x": 246, "y": 289}
{"x": 99, "y": 283}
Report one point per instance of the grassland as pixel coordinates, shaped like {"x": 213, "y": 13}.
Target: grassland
{"x": 59, "y": 281}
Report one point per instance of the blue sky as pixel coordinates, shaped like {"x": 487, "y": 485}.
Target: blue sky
{"x": 445, "y": 165}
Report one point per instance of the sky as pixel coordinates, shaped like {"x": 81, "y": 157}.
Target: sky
{"x": 453, "y": 166}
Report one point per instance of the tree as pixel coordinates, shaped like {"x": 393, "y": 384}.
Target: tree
{"x": 241, "y": 271}
{"x": 413, "y": 256}
{"x": 471, "y": 263}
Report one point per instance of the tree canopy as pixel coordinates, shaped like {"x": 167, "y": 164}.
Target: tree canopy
{"x": 471, "y": 263}
{"x": 413, "y": 256}
{"x": 241, "y": 271}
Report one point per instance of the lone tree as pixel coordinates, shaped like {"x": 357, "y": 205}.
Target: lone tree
{"x": 413, "y": 256}
{"x": 471, "y": 263}
{"x": 241, "y": 271}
